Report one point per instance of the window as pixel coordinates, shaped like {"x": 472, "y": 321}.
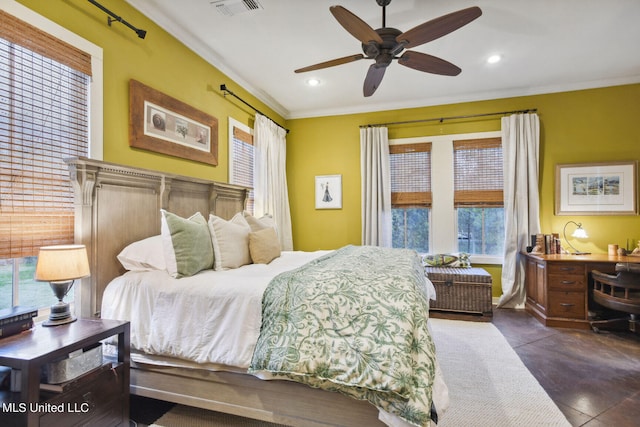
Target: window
{"x": 410, "y": 195}
{"x": 45, "y": 92}
{"x": 241, "y": 157}
{"x": 478, "y": 196}
{"x": 458, "y": 206}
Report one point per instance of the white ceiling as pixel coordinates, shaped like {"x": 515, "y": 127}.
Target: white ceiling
{"x": 546, "y": 45}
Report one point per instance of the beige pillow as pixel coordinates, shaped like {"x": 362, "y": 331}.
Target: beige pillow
{"x": 230, "y": 242}
{"x": 264, "y": 245}
{"x": 261, "y": 223}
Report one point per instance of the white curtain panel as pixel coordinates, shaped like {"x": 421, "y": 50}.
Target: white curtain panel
{"x": 270, "y": 177}
{"x": 376, "y": 186}
{"x": 520, "y": 148}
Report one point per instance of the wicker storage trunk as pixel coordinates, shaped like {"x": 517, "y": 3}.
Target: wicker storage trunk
{"x": 461, "y": 290}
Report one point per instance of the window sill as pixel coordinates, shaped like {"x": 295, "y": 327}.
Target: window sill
{"x": 486, "y": 259}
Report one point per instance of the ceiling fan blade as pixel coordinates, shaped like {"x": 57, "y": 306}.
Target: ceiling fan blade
{"x": 355, "y": 26}
{"x": 428, "y": 63}
{"x": 332, "y": 63}
{"x": 373, "y": 79}
{"x": 438, "y": 27}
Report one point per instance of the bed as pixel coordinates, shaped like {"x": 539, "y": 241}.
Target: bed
{"x": 191, "y": 363}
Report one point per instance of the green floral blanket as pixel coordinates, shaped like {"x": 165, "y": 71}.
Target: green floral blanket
{"x": 353, "y": 321}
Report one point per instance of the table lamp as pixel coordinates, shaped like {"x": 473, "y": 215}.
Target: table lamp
{"x": 60, "y": 266}
{"x": 578, "y": 233}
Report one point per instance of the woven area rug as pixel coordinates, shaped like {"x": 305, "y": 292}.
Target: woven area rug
{"x": 488, "y": 385}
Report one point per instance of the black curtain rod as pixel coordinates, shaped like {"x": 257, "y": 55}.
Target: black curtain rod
{"x": 442, "y": 119}
{"x": 223, "y": 87}
{"x": 114, "y": 17}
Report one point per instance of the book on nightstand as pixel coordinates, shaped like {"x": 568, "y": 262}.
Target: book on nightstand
{"x": 14, "y": 328}
{"x": 16, "y": 319}
{"x": 17, "y": 313}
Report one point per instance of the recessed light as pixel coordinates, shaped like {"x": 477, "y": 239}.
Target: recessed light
{"x": 493, "y": 59}
{"x": 313, "y": 82}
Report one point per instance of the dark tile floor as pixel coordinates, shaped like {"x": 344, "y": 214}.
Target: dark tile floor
{"x": 144, "y": 411}
{"x": 594, "y": 378}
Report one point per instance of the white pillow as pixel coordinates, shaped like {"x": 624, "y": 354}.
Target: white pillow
{"x": 143, "y": 255}
{"x": 230, "y": 242}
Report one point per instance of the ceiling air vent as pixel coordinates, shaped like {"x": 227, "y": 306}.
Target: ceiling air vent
{"x": 235, "y": 7}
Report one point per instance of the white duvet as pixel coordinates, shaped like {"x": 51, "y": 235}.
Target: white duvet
{"x": 212, "y": 317}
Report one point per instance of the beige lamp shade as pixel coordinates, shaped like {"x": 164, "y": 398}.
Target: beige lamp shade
{"x": 62, "y": 263}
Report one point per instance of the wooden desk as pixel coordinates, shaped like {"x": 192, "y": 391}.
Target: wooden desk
{"x": 558, "y": 286}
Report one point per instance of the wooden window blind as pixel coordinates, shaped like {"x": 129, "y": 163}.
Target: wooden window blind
{"x": 44, "y": 119}
{"x": 410, "y": 174}
{"x": 26, "y": 35}
{"x": 242, "y": 166}
{"x": 478, "y": 175}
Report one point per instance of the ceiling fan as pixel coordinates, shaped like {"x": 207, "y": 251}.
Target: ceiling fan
{"x": 385, "y": 44}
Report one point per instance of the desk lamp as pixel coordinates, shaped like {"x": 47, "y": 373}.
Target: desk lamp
{"x": 60, "y": 266}
{"x": 579, "y": 233}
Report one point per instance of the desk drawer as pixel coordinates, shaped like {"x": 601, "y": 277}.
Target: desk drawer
{"x": 565, "y": 268}
{"x": 569, "y": 282}
{"x": 566, "y": 304}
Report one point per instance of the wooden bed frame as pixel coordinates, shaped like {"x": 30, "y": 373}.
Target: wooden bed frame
{"x": 117, "y": 205}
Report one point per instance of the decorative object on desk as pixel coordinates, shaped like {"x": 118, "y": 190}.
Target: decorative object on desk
{"x": 60, "y": 266}
{"x": 329, "y": 192}
{"x": 597, "y": 188}
{"x": 612, "y": 249}
{"x": 578, "y": 233}
{"x": 548, "y": 244}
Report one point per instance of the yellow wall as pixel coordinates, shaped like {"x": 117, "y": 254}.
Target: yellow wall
{"x": 158, "y": 61}
{"x": 581, "y": 126}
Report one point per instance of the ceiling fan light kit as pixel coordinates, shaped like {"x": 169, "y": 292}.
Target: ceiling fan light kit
{"x": 385, "y": 44}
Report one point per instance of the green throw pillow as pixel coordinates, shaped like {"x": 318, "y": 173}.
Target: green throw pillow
{"x": 187, "y": 244}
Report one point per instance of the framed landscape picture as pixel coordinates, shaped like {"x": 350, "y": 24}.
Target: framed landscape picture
{"x": 607, "y": 188}
{"x": 166, "y": 125}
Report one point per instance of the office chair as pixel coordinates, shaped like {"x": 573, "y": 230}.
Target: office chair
{"x": 621, "y": 293}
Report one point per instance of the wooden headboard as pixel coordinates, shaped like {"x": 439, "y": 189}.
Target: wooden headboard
{"x": 117, "y": 205}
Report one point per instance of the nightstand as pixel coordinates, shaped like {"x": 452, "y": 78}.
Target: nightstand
{"x": 97, "y": 398}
